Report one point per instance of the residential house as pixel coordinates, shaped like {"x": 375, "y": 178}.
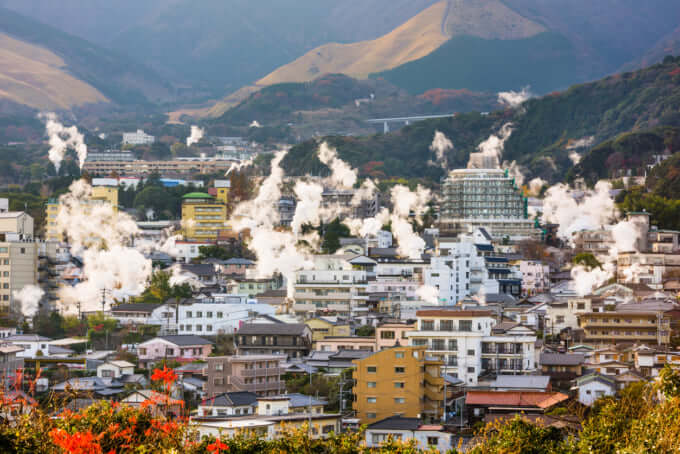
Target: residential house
{"x": 133, "y": 314}
{"x": 391, "y": 334}
{"x": 115, "y": 369}
{"x": 400, "y": 380}
{"x": 403, "y": 429}
{"x": 335, "y": 362}
{"x": 33, "y": 345}
{"x": 183, "y": 348}
{"x": 238, "y": 403}
{"x": 480, "y": 404}
{"x": 562, "y": 368}
{"x": 532, "y": 383}
{"x": 323, "y": 327}
{"x": 236, "y": 266}
{"x": 158, "y": 403}
{"x": 593, "y": 386}
{"x": 292, "y": 339}
{"x": 258, "y": 374}
{"x": 334, "y": 344}
{"x": 9, "y": 363}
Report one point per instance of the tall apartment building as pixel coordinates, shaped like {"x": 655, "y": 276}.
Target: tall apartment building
{"x": 486, "y": 198}
{"x": 469, "y": 343}
{"x": 259, "y": 374}
{"x": 621, "y": 327}
{"x": 100, "y": 195}
{"x": 138, "y": 138}
{"x": 399, "y": 381}
{"x": 110, "y": 155}
{"x": 18, "y": 269}
{"x": 337, "y": 284}
{"x": 204, "y": 216}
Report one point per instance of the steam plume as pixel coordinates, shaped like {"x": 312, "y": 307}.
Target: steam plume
{"x": 428, "y": 293}
{"x": 196, "y": 135}
{"x": 61, "y": 139}
{"x": 514, "y": 99}
{"x": 29, "y": 297}
{"x": 491, "y": 150}
{"x": 440, "y": 145}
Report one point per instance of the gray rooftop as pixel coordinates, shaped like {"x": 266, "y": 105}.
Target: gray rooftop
{"x": 560, "y": 359}
{"x": 184, "y": 340}
{"x": 522, "y": 381}
{"x": 284, "y": 329}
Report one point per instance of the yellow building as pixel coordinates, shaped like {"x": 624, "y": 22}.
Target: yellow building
{"x": 204, "y": 216}
{"x": 398, "y": 381}
{"x": 100, "y": 194}
{"x": 323, "y": 327}
{"x": 606, "y": 328}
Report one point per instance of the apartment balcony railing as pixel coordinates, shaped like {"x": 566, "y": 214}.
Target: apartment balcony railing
{"x": 240, "y": 385}
{"x": 263, "y": 372}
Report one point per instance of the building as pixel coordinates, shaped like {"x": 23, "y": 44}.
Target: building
{"x": 180, "y": 348}
{"x": 204, "y": 217}
{"x": 291, "y": 339}
{"x": 210, "y": 317}
{"x": 138, "y": 138}
{"x": 115, "y": 369}
{"x": 10, "y": 363}
{"x": 489, "y": 198}
{"x": 593, "y": 386}
{"x": 100, "y": 195}
{"x": 483, "y": 405}
{"x": 257, "y": 374}
{"x": 160, "y": 404}
{"x": 19, "y": 269}
{"x": 140, "y": 314}
{"x": 392, "y": 334}
{"x": 336, "y": 285}
{"x": 110, "y": 155}
{"x": 335, "y": 344}
{"x": 649, "y": 268}
{"x": 399, "y": 381}
{"x": 535, "y": 277}
{"x": 187, "y": 166}
{"x": 323, "y": 327}
{"x": 399, "y": 428}
{"x": 614, "y": 327}
{"x": 470, "y": 343}
{"x": 562, "y": 367}
{"x": 237, "y": 403}
{"x": 16, "y": 225}
{"x": 343, "y": 202}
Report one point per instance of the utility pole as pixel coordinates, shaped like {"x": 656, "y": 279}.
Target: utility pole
{"x": 309, "y": 428}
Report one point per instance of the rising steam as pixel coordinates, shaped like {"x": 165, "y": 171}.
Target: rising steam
{"x": 61, "y": 139}
{"x": 29, "y": 297}
{"x": 514, "y": 99}
{"x": 196, "y": 135}
{"x": 440, "y": 145}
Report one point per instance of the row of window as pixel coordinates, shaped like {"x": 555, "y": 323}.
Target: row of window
{"x": 397, "y": 400}
{"x": 199, "y": 314}
{"x": 199, "y": 328}
{"x": 397, "y": 384}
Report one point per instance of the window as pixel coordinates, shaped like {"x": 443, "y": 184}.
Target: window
{"x": 471, "y": 370}
{"x": 387, "y": 335}
{"x": 464, "y": 325}
{"x": 328, "y": 428}
{"x": 188, "y": 327}
{"x": 371, "y": 369}
{"x": 199, "y": 327}
{"x": 446, "y": 325}
{"x": 471, "y": 353}
{"x": 399, "y": 370}
{"x": 199, "y": 314}
{"x": 427, "y": 325}
{"x": 432, "y": 441}
{"x": 209, "y": 314}
{"x": 142, "y": 351}
{"x": 371, "y": 415}
{"x": 219, "y": 366}
{"x": 453, "y": 345}
{"x": 419, "y": 342}
{"x": 438, "y": 344}
{"x": 399, "y": 400}
{"x": 371, "y": 384}
{"x": 219, "y": 315}
{"x": 371, "y": 400}
{"x": 208, "y": 327}
{"x": 399, "y": 355}
{"x": 559, "y": 319}
{"x": 399, "y": 384}
{"x": 188, "y": 314}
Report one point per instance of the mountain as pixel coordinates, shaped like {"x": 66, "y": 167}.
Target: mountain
{"x": 339, "y": 104}
{"x": 416, "y": 38}
{"x": 48, "y": 69}
{"x": 546, "y": 130}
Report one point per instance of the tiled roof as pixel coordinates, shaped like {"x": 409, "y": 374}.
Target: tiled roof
{"x": 188, "y": 339}
{"x": 514, "y": 398}
{"x": 135, "y": 307}
{"x": 396, "y": 423}
{"x": 452, "y": 313}
{"x": 559, "y": 359}
{"x": 290, "y": 329}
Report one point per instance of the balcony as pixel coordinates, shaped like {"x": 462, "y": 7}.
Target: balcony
{"x": 433, "y": 395}
{"x": 262, "y": 372}
{"x": 240, "y": 385}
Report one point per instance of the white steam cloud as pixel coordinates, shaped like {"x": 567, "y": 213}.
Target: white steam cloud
{"x": 196, "y": 135}
{"x": 490, "y": 151}
{"x": 61, "y": 139}
{"x": 255, "y": 124}
{"x": 440, "y": 145}
{"x": 574, "y": 157}
{"x": 428, "y": 293}
{"x": 514, "y": 99}
{"x": 29, "y": 297}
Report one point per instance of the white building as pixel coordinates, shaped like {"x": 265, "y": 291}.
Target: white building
{"x": 336, "y": 284}
{"x": 469, "y": 343}
{"x": 211, "y": 318}
{"x": 535, "y": 277}
{"x": 189, "y": 250}
{"x": 33, "y": 345}
{"x": 593, "y": 386}
{"x": 138, "y": 138}
{"x": 403, "y": 429}
{"x": 115, "y": 369}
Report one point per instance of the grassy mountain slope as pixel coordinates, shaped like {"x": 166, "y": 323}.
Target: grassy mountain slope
{"x": 415, "y": 39}
{"x": 544, "y": 128}
{"x": 115, "y": 77}
{"x": 35, "y": 77}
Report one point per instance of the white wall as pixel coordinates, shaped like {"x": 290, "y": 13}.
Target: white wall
{"x": 590, "y": 392}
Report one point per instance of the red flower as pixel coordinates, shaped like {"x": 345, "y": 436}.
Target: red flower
{"x": 217, "y": 447}
{"x": 167, "y": 376}
{"x": 78, "y": 443}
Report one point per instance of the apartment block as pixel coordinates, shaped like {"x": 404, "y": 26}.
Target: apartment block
{"x": 258, "y": 374}
{"x": 18, "y": 269}
{"x": 100, "y": 195}
{"x": 613, "y": 327}
{"x": 470, "y": 343}
{"x": 203, "y": 216}
{"x": 399, "y": 381}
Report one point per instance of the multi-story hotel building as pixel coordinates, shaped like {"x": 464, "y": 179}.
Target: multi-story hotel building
{"x": 617, "y": 327}
{"x": 204, "y": 216}
{"x": 488, "y": 198}
{"x": 100, "y": 194}
{"x": 259, "y": 374}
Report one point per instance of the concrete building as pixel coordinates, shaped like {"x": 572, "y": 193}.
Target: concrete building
{"x": 16, "y": 225}
{"x": 180, "y": 348}
{"x": 110, "y": 155}
{"x": 486, "y": 198}
{"x": 18, "y": 269}
{"x": 138, "y": 138}
{"x": 337, "y": 284}
{"x": 190, "y": 166}
{"x": 323, "y": 327}
{"x": 398, "y": 381}
{"x": 204, "y": 217}
{"x": 403, "y": 429}
{"x": 100, "y": 195}
{"x": 470, "y": 344}
{"x": 257, "y": 374}
{"x": 291, "y": 339}
{"x": 535, "y": 277}
{"x": 392, "y": 334}
{"x": 615, "y": 327}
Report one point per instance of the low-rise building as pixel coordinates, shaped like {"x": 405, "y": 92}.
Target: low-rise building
{"x": 237, "y": 403}
{"x": 480, "y": 404}
{"x": 334, "y": 344}
{"x": 258, "y": 374}
{"x": 614, "y": 327}
{"x": 182, "y": 348}
{"x": 291, "y": 339}
{"x": 399, "y": 428}
{"x": 138, "y": 137}
{"x": 323, "y": 327}
{"x": 593, "y": 386}
{"x": 392, "y": 334}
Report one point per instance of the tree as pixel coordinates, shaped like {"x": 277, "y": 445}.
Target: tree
{"x": 49, "y": 324}
{"x": 365, "y": 331}
{"x": 160, "y": 290}
{"x": 332, "y": 234}
{"x": 586, "y": 259}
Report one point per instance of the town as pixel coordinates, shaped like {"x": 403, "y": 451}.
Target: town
{"x": 417, "y": 315}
